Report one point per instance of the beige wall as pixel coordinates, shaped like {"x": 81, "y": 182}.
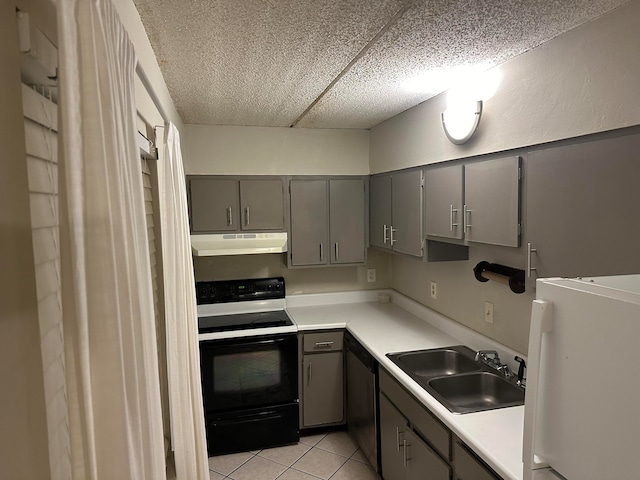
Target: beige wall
{"x": 298, "y": 281}
{"x": 275, "y": 151}
{"x": 23, "y": 444}
{"x": 582, "y": 82}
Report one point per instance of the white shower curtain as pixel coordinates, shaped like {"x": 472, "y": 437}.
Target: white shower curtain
{"x": 111, "y": 360}
{"x": 183, "y": 356}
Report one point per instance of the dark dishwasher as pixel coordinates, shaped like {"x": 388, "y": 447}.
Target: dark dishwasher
{"x": 362, "y": 408}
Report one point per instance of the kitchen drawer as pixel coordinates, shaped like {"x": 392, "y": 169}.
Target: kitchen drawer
{"x": 468, "y": 466}
{"x": 421, "y": 420}
{"x": 322, "y": 341}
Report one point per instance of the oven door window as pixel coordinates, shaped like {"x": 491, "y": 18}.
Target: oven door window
{"x": 249, "y": 372}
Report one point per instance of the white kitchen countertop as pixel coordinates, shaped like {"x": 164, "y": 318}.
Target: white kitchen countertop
{"x": 496, "y": 435}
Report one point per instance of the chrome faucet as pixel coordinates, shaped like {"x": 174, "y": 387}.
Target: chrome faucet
{"x": 495, "y": 363}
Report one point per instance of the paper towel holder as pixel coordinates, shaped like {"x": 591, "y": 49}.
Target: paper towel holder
{"x": 513, "y": 277}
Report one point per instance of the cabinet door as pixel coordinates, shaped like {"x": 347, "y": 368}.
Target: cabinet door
{"x": 492, "y": 196}
{"x": 422, "y": 462}
{"x": 467, "y": 467}
{"x": 346, "y": 220}
{"x": 406, "y": 212}
{"x": 262, "y": 205}
{"x": 444, "y": 201}
{"x": 580, "y": 208}
{"x": 380, "y": 211}
{"x": 323, "y": 389}
{"x": 393, "y": 428}
{"x": 309, "y": 222}
{"x": 214, "y": 205}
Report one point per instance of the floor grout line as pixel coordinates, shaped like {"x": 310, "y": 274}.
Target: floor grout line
{"x": 287, "y": 468}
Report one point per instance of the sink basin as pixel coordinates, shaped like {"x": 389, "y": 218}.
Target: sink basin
{"x": 435, "y": 363}
{"x": 475, "y": 392}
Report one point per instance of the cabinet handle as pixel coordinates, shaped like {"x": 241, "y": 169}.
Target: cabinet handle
{"x": 384, "y": 234}
{"x": 530, "y": 250}
{"x": 337, "y": 251}
{"x": 392, "y": 240}
{"x": 398, "y": 432}
{"x": 404, "y": 452}
{"x": 229, "y": 217}
{"x": 309, "y": 374}
{"x": 324, "y": 344}
{"x": 452, "y": 211}
{"x": 321, "y": 253}
{"x": 465, "y": 218}
{"x": 246, "y": 215}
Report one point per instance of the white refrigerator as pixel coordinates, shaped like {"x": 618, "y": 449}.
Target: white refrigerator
{"x": 582, "y": 403}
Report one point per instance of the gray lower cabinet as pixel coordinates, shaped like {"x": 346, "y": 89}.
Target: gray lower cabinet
{"x": 327, "y": 221}
{"x": 405, "y": 456}
{"x": 416, "y": 445}
{"x": 396, "y": 212}
{"x": 322, "y": 379}
{"x": 492, "y": 201}
{"x": 231, "y": 204}
{"x": 444, "y": 201}
{"x": 581, "y": 203}
{"x": 467, "y": 466}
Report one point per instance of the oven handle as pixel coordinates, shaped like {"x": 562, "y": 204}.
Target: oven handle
{"x": 258, "y": 417}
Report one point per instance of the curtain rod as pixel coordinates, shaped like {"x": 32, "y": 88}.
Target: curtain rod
{"x": 152, "y": 93}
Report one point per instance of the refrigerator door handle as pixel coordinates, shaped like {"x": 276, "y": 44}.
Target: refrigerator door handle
{"x": 541, "y": 323}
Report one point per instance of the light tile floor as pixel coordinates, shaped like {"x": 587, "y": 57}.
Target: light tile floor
{"x": 324, "y": 456}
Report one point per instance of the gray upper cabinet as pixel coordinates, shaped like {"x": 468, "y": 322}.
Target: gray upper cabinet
{"x": 309, "y": 222}
{"x": 231, "y": 204}
{"x": 444, "y": 201}
{"x": 327, "y": 221}
{"x": 380, "y": 211}
{"x": 262, "y": 204}
{"x": 396, "y": 212}
{"x": 492, "y": 197}
{"x": 214, "y": 204}
{"x": 347, "y": 222}
{"x": 580, "y": 208}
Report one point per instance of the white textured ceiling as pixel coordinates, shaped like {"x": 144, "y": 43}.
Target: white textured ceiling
{"x": 335, "y": 64}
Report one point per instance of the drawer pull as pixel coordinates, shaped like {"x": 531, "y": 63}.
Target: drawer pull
{"x": 324, "y": 344}
{"x": 404, "y": 453}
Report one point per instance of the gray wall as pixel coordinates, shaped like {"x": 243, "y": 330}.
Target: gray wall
{"x": 579, "y": 83}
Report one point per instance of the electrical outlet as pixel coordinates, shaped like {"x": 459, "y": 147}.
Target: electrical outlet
{"x": 371, "y": 275}
{"x": 434, "y": 290}
{"x": 488, "y": 312}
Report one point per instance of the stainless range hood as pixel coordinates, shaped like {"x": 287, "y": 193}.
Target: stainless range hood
{"x": 238, "y": 244}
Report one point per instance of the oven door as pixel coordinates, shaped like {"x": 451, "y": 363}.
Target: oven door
{"x": 249, "y": 372}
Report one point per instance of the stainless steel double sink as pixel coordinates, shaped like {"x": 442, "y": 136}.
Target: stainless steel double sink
{"x": 455, "y": 379}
